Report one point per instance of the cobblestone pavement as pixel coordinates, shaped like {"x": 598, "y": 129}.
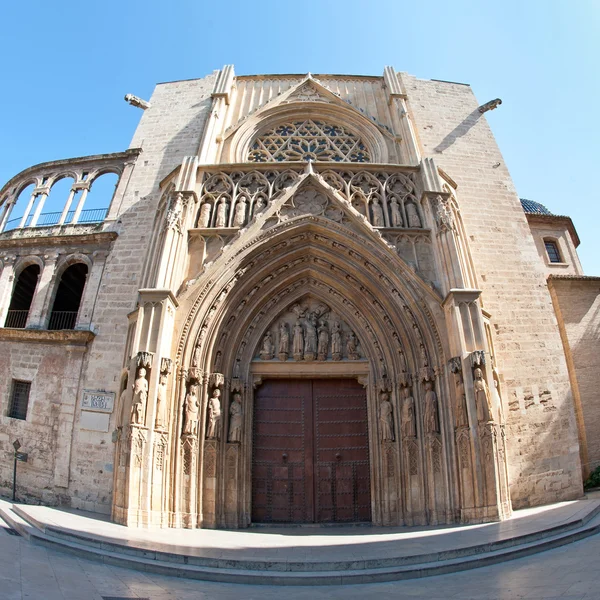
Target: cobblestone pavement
{"x": 32, "y": 572}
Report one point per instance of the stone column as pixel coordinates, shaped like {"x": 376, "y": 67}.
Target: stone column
{"x": 146, "y": 442}
{"x": 7, "y": 280}
{"x": 43, "y": 193}
{"x": 42, "y": 297}
{"x": 468, "y": 342}
{"x": 90, "y": 292}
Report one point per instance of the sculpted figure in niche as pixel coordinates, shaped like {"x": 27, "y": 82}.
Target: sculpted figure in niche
{"x": 267, "y": 347}
{"x": 352, "y": 347}
{"x": 284, "y": 341}
{"x": 161, "y": 402}
{"x": 235, "y": 418}
{"x": 192, "y": 409}
{"x": 140, "y": 397}
{"x": 482, "y": 397}
{"x": 409, "y": 426}
{"x": 205, "y": 210}
{"x": 432, "y": 420}
{"x": 396, "y": 215}
{"x": 221, "y": 219}
{"x": 310, "y": 343}
{"x": 214, "y": 415}
{"x": 462, "y": 419}
{"x": 323, "y": 346}
{"x": 412, "y": 216}
{"x": 386, "y": 418}
{"x": 239, "y": 216}
{"x": 298, "y": 342}
{"x": 260, "y": 205}
{"x": 377, "y": 214}
{"x": 336, "y": 341}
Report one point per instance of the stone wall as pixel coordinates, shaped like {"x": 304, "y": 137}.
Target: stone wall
{"x": 541, "y": 427}
{"x": 170, "y": 130}
{"x": 577, "y": 301}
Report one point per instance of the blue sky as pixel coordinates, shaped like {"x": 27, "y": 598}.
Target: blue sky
{"x": 67, "y": 65}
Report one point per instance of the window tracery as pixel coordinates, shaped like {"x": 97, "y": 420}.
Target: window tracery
{"x": 306, "y": 140}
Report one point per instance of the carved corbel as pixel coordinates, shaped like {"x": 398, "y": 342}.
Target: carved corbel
{"x": 166, "y": 366}
{"x": 144, "y": 359}
{"x": 477, "y": 358}
{"x": 217, "y": 380}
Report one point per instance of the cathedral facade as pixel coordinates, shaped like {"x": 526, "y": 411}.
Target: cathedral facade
{"x": 311, "y": 299}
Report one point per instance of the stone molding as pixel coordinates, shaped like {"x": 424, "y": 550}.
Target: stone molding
{"x": 43, "y": 336}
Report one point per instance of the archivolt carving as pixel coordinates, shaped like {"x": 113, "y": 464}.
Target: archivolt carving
{"x": 307, "y": 330}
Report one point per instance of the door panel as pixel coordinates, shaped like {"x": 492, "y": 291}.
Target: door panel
{"x": 281, "y": 483}
{"x": 310, "y": 452}
{"x": 341, "y": 451}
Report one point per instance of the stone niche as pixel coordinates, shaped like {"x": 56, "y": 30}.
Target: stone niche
{"x": 308, "y": 331}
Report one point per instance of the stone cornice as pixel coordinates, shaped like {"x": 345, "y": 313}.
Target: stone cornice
{"x": 555, "y": 220}
{"x": 98, "y": 238}
{"x": 583, "y": 278}
{"x": 81, "y": 160}
{"x": 43, "y": 336}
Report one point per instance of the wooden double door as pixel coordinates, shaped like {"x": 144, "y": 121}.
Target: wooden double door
{"x": 310, "y": 457}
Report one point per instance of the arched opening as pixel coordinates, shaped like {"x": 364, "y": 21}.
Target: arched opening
{"x": 68, "y": 297}
{"x": 55, "y": 202}
{"x": 18, "y": 310}
{"x": 98, "y": 199}
{"x": 19, "y": 207}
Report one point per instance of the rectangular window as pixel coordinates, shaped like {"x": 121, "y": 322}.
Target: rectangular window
{"x": 19, "y": 399}
{"x": 553, "y": 253}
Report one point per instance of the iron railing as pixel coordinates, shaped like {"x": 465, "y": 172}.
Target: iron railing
{"x": 16, "y": 319}
{"x": 62, "y": 319}
{"x": 92, "y": 215}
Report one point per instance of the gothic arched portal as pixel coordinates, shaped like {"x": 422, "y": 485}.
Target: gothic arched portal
{"x": 309, "y": 292}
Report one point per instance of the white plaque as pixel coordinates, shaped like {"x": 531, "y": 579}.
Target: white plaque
{"x": 98, "y": 401}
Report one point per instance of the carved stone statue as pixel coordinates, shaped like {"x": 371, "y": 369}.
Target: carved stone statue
{"x": 239, "y": 216}
{"x": 310, "y": 342}
{"x": 266, "y": 352}
{"x": 221, "y": 219}
{"x": 412, "y": 216}
{"x": 377, "y": 214}
{"x": 298, "y": 341}
{"x": 205, "y": 210}
{"x": 140, "y": 397}
{"x": 352, "y": 346}
{"x": 323, "y": 344}
{"x": 462, "y": 419}
{"x": 432, "y": 419}
{"x": 386, "y": 419}
{"x": 424, "y": 358}
{"x": 214, "y": 415}
{"x": 192, "y": 409}
{"x": 482, "y": 397}
{"x": 161, "y": 402}
{"x": 396, "y": 215}
{"x": 336, "y": 341}
{"x": 284, "y": 341}
{"x": 260, "y": 205}
{"x": 409, "y": 425}
{"x": 235, "y": 418}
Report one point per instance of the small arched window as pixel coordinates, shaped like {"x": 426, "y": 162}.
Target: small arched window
{"x": 553, "y": 251}
{"x": 68, "y": 297}
{"x": 22, "y": 297}
{"x": 309, "y": 139}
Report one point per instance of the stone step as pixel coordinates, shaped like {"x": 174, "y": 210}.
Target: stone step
{"x": 153, "y": 552}
{"x": 305, "y": 573}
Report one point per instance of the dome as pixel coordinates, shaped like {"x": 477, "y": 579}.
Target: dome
{"x": 535, "y": 208}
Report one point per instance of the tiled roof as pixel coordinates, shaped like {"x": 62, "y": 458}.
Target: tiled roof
{"x": 534, "y": 208}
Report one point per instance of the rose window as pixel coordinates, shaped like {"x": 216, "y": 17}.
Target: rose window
{"x": 308, "y": 140}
